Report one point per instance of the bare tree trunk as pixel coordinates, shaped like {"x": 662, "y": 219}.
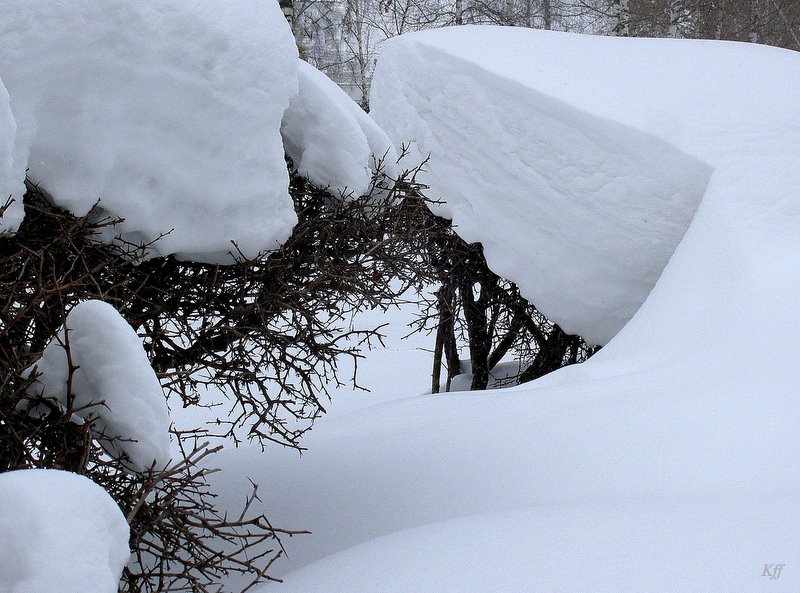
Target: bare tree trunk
{"x": 459, "y": 20}
{"x": 620, "y": 18}
{"x": 752, "y": 36}
{"x": 508, "y": 13}
{"x": 720, "y": 18}
{"x": 547, "y": 14}
{"x": 480, "y": 342}
{"x": 675, "y": 10}
{"x": 786, "y": 22}
{"x": 287, "y": 7}
{"x": 551, "y": 355}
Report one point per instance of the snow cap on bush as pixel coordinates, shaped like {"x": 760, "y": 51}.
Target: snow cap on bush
{"x": 165, "y": 112}
{"x": 111, "y": 380}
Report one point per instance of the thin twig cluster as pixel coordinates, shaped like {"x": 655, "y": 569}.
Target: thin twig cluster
{"x": 268, "y": 333}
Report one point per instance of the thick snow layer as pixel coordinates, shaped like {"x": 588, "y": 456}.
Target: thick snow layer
{"x": 330, "y": 138}
{"x": 167, "y": 112}
{"x": 668, "y": 462}
{"x": 59, "y": 533}
{"x": 578, "y": 161}
{"x": 10, "y": 179}
{"x": 113, "y": 377}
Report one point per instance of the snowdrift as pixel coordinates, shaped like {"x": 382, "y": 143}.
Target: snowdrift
{"x": 577, "y": 161}
{"x": 59, "y": 533}
{"x": 668, "y": 462}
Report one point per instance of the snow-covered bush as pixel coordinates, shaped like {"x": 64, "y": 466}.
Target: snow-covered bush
{"x": 167, "y": 112}
{"x": 95, "y": 366}
{"x": 266, "y": 332}
{"x": 330, "y": 140}
{"x": 475, "y": 308}
{"x": 158, "y": 247}
{"x": 151, "y": 136}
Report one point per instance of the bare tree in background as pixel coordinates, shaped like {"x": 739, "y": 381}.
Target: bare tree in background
{"x": 771, "y": 22}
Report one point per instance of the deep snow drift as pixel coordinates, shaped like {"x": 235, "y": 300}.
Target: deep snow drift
{"x": 668, "y": 462}
{"x": 59, "y": 532}
{"x": 167, "y": 112}
{"x": 112, "y": 381}
{"x": 578, "y": 161}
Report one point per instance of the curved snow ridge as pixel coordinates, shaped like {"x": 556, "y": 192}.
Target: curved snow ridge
{"x": 59, "y": 533}
{"x": 579, "y": 187}
{"x": 112, "y": 381}
{"x": 682, "y": 432}
{"x": 166, "y": 112}
{"x": 570, "y": 547}
{"x": 330, "y": 139}
{"x": 672, "y": 448}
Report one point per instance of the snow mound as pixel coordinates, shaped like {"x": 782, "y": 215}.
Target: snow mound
{"x": 10, "y": 179}
{"x": 330, "y": 139}
{"x": 577, "y": 161}
{"x": 167, "y": 112}
{"x": 113, "y": 377}
{"x": 668, "y": 461}
{"x": 59, "y": 533}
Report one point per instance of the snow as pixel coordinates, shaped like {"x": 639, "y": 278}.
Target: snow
{"x": 59, "y": 533}
{"x": 167, "y": 112}
{"x": 10, "y": 184}
{"x": 578, "y": 161}
{"x": 113, "y": 378}
{"x": 666, "y": 462}
{"x": 329, "y": 137}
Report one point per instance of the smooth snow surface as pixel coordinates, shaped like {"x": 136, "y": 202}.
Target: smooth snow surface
{"x": 10, "y": 179}
{"x": 167, "y": 112}
{"x": 329, "y": 137}
{"x": 59, "y": 533}
{"x": 578, "y": 161}
{"x": 113, "y": 377}
{"x": 668, "y": 462}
